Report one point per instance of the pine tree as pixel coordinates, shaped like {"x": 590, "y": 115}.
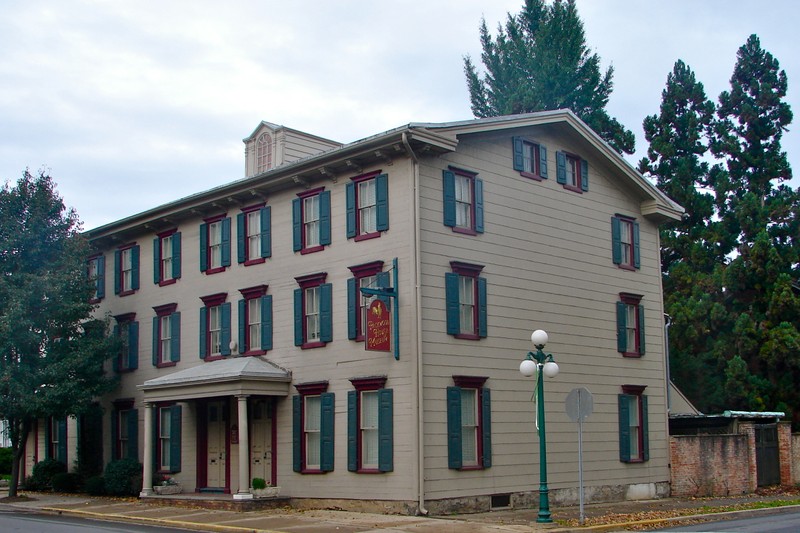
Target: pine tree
{"x": 540, "y": 62}
{"x": 51, "y": 351}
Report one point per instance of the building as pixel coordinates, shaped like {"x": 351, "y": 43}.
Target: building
{"x": 245, "y": 326}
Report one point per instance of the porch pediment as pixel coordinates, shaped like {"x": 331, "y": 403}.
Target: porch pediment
{"x": 226, "y": 377}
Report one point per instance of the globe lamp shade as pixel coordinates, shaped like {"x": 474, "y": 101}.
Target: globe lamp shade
{"x": 528, "y": 368}
{"x": 539, "y": 338}
{"x": 550, "y": 369}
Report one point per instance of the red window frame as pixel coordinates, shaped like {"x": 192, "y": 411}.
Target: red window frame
{"x": 120, "y": 407}
{"x": 469, "y": 270}
{"x": 475, "y": 383}
{"x": 211, "y": 301}
{"x": 637, "y": 391}
{"x": 124, "y": 321}
{"x": 305, "y": 390}
{"x": 471, "y": 176}
{"x": 158, "y": 454}
{"x": 305, "y": 249}
{"x": 574, "y": 162}
{"x": 356, "y": 182}
{"x": 207, "y": 229}
{"x": 360, "y": 272}
{"x": 122, "y": 249}
{"x": 94, "y": 260}
{"x": 361, "y": 385}
{"x": 162, "y": 279}
{"x": 249, "y": 294}
{"x": 635, "y": 301}
{"x": 533, "y": 149}
{"x": 246, "y": 211}
{"x": 309, "y": 282}
{"x": 163, "y": 311}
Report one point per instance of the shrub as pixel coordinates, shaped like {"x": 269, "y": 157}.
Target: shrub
{"x": 66, "y": 482}
{"x": 95, "y": 486}
{"x": 5, "y": 461}
{"x": 259, "y": 483}
{"x": 43, "y": 473}
{"x": 123, "y": 477}
{"x": 27, "y": 484}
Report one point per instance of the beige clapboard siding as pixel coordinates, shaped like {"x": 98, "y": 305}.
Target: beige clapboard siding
{"x": 534, "y": 229}
{"x": 338, "y": 362}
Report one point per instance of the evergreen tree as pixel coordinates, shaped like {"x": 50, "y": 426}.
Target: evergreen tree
{"x": 51, "y": 351}
{"x": 540, "y": 62}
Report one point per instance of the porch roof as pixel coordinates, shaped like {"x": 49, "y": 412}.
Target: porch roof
{"x": 226, "y": 377}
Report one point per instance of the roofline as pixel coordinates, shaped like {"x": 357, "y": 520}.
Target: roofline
{"x": 278, "y": 127}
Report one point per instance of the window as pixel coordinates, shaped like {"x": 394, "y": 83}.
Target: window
{"x": 96, "y": 271}
{"x": 215, "y": 244}
{"x": 530, "y": 158}
{"x": 634, "y": 443}
{"x": 572, "y": 172}
{"x": 469, "y": 421}
{"x": 215, "y": 327}
{"x": 313, "y": 320}
{"x": 167, "y": 257}
{"x": 127, "y": 329}
{"x": 124, "y": 430}
{"x": 255, "y": 321}
{"x": 312, "y": 440}
{"x": 254, "y": 235}
{"x": 367, "y": 206}
{"x": 630, "y": 325}
{"x": 126, "y": 269}
{"x": 463, "y": 201}
{"x": 367, "y": 275}
{"x": 168, "y": 451}
{"x": 370, "y": 426}
{"x": 263, "y": 153}
{"x": 166, "y": 335}
{"x": 56, "y": 439}
{"x": 625, "y": 242}
{"x": 465, "y": 294}
{"x": 311, "y": 221}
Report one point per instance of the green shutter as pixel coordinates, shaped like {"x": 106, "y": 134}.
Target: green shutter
{"x": 132, "y": 420}
{"x": 266, "y": 322}
{"x": 203, "y": 331}
{"x": 326, "y": 432}
{"x": 175, "y": 439}
{"x": 266, "y": 232}
{"x": 297, "y": 433}
{"x": 325, "y": 218}
{"x": 449, "y": 191}
{"x": 350, "y": 209}
{"x": 297, "y": 225}
{"x": 326, "y": 312}
{"x": 101, "y": 277}
{"x": 645, "y": 431}
{"x": 584, "y": 175}
{"x": 352, "y": 431}
{"x": 241, "y": 238}
{"x": 135, "y": 267}
{"x": 616, "y": 240}
{"x": 226, "y": 242}
{"x": 114, "y": 435}
{"x": 385, "y": 430}
{"x": 518, "y": 157}
{"x": 115, "y": 360}
{"x": 61, "y": 453}
{"x": 47, "y": 438}
{"x": 225, "y": 330}
{"x": 299, "y": 337}
{"x": 640, "y": 310}
{"x": 203, "y": 247}
{"x": 176, "y": 255}
{"x": 482, "y": 308}
{"x": 561, "y": 168}
{"x": 244, "y": 345}
{"x": 175, "y": 341}
{"x": 382, "y": 202}
{"x": 133, "y": 346}
{"x": 451, "y": 303}
{"x": 622, "y": 337}
{"x": 479, "y": 226}
{"x": 636, "y": 253}
{"x": 382, "y": 281}
{"x": 454, "y": 451}
{"x": 156, "y": 339}
{"x": 352, "y": 308}
{"x": 486, "y": 427}
{"x": 117, "y": 263}
{"x": 156, "y": 260}
{"x": 624, "y": 427}
{"x": 543, "y": 161}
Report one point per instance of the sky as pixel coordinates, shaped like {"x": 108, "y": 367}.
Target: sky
{"x": 129, "y": 104}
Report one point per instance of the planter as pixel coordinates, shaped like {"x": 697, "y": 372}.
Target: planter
{"x": 269, "y": 492}
{"x": 167, "y": 489}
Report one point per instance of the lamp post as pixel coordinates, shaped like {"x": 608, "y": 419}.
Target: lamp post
{"x": 540, "y": 364}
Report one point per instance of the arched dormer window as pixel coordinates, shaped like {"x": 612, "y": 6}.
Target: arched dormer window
{"x": 263, "y": 153}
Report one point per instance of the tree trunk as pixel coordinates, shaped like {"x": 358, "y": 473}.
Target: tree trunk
{"x": 18, "y": 431}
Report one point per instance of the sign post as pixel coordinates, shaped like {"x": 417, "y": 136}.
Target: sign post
{"x": 580, "y": 405}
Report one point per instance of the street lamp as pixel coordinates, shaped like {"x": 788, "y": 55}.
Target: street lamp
{"x": 540, "y": 364}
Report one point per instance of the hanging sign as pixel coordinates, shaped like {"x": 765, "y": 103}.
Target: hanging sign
{"x": 379, "y": 328}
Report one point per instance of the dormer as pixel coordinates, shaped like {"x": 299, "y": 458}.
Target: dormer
{"x": 271, "y": 145}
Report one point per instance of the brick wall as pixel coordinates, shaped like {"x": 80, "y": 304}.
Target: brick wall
{"x": 796, "y": 459}
{"x": 710, "y": 465}
{"x": 785, "y": 453}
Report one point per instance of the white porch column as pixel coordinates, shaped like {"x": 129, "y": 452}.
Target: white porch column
{"x": 244, "y": 452}
{"x": 147, "y": 476}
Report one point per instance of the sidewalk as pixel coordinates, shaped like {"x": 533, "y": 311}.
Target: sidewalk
{"x": 599, "y": 517}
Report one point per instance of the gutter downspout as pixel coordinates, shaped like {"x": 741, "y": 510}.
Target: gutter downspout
{"x": 667, "y": 324}
{"x": 417, "y": 262}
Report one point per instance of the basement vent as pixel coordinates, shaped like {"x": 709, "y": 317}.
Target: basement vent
{"x": 501, "y": 501}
